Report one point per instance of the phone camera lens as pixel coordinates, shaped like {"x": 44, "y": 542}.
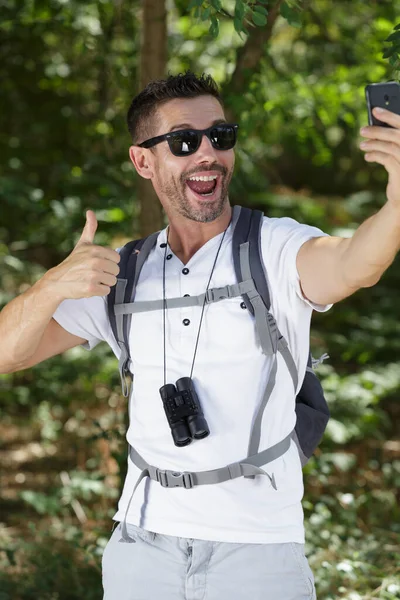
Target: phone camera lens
{"x": 386, "y": 98}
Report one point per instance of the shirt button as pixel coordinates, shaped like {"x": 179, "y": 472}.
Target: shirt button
{"x": 163, "y": 245}
{"x": 185, "y": 271}
{"x": 243, "y": 305}
{"x": 169, "y": 256}
{"x": 186, "y": 322}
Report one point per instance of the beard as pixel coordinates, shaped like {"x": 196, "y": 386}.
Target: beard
{"x": 177, "y": 194}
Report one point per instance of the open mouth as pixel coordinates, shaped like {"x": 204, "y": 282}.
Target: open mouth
{"x": 203, "y": 185}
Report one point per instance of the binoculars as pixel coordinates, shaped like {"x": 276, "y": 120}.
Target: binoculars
{"x": 183, "y": 411}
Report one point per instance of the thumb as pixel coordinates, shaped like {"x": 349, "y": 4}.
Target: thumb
{"x": 89, "y": 230}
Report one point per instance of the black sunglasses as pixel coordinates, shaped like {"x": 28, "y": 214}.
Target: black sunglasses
{"x": 187, "y": 141}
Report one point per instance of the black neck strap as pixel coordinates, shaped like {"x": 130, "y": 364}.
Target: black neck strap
{"x": 202, "y": 310}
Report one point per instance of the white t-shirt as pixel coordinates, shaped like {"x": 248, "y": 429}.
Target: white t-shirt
{"x": 230, "y": 375}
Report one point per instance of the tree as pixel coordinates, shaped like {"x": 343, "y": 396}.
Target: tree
{"x": 153, "y": 62}
{"x": 68, "y": 72}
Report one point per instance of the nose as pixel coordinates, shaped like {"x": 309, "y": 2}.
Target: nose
{"x": 206, "y": 152}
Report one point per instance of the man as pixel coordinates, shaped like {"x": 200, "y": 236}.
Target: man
{"x": 242, "y": 538}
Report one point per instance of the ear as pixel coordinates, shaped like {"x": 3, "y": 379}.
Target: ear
{"x": 142, "y": 160}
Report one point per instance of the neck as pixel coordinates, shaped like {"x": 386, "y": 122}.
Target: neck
{"x": 186, "y": 237}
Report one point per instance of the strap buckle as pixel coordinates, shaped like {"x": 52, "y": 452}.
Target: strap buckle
{"x": 162, "y": 477}
{"x": 210, "y": 296}
{"x": 174, "y": 479}
{"x": 216, "y": 294}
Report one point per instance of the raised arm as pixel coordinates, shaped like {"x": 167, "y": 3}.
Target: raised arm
{"x": 28, "y": 332}
{"x": 333, "y": 268}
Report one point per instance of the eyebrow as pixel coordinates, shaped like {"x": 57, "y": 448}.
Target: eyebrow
{"x": 189, "y": 126}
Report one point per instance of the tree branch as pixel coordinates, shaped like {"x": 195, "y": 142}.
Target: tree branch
{"x": 248, "y": 57}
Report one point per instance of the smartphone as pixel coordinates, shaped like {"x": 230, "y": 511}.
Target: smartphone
{"x": 385, "y": 95}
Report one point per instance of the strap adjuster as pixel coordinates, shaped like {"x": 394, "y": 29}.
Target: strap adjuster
{"x": 210, "y": 296}
{"x": 216, "y": 294}
{"x": 162, "y": 477}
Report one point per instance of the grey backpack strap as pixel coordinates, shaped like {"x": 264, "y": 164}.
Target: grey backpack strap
{"x": 271, "y": 340}
{"x": 212, "y": 295}
{"x": 248, "y": 467}
{"x": 124, "y": 356}
{"x": 133, "y": 256}
{"x": 265, "y": 326}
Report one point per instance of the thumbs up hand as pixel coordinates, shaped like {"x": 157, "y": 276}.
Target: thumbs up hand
{"x": 89, "y": 270}
{"x": 89, "y": 230}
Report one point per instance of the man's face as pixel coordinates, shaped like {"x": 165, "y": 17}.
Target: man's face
{"x": 174, "y": 177}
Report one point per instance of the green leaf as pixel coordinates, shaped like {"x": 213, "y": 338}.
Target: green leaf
{"x": 205, "y": 15}
{"x": 291, "y": 15}
{"x": 195, "y": 4}
{"x": 393, "y": 36}
{"x": 285, "y": 10}
{"x": 393, "y": 60}
{"x": 214, "y": 27}
{"x": 216, "y": 4}
{"x": 261, "y": 9}
{"x": 239, "y": 10}
{"x": 397, "y": 26}
{"x": 259, "y": 19}
{"x": 388, "y": 52}
{"x": 238, "y": 25}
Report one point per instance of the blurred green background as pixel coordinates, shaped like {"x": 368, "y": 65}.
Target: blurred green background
{"x": 295, "y": 83}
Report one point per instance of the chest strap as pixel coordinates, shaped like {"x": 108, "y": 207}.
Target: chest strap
{"x": 212, "y": 295}
{"x": 248, "y": 467}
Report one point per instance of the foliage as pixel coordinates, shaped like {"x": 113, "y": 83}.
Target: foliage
{"x": 51, "y": 567}
{"x": 249, "y": 13}
{"x": 246, "y": 13}
{"x": 393, "y": 50}
{"x": 69, "y": 71}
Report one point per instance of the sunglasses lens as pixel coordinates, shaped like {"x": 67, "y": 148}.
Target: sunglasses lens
{"x": 223, "y": 137}
{"x": 184, "y": 143}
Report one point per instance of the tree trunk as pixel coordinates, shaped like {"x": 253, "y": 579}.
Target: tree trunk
{"x": 153, "y": 63}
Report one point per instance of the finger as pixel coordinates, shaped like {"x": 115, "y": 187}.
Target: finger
{"x": 387, "y": 116}
{"x": 386, "y": 147}
{"x": 104, "y": 254}
{"x": 107, "y": 279}
{"x": 111, "y": 255}
{"x": 98, "y": 290}
{"x": 111, "y": 267}
{"x": 381, "y": 133}
{"x": 89, "y": 230}
{"x": 98, "y": 264}
{"x": 388, "y": 161}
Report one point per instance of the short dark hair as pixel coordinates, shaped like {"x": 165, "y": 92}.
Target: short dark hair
{"x": 144, "y": 106}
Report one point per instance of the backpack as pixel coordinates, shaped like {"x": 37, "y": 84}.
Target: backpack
{"x": 311, "y": 407}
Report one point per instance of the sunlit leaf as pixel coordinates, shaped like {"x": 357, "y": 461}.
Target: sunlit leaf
{"x": 259, "y": 19}
{"x": 214, "y": 27}
{"x": 260, "y": 9}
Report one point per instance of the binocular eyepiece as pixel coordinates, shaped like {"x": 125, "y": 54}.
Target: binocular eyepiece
{"x": 183, "y": 411}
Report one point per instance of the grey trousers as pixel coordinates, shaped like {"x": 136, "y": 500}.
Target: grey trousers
{"x": 172, "y": 568}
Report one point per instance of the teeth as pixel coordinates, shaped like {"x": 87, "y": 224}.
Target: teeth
{"x": 203, "y": 178}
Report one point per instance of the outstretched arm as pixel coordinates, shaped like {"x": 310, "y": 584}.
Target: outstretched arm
{"x": 333, "y": 268}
